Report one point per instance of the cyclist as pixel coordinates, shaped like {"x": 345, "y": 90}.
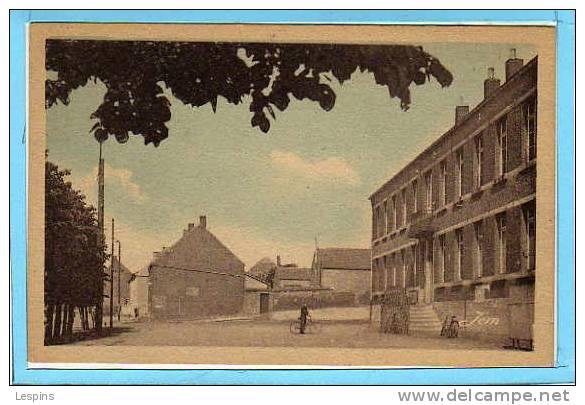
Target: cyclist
{"x": 454, "y": 327}
{"x": 304, "y": 317}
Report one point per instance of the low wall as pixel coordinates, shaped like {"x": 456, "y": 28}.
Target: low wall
{"x": 495, "y": 319}
{"x": 293, "y": 299}
{"x": 487, "y": 320}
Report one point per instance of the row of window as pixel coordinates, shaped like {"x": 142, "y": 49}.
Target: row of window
{"x": 503, "y": 243}
{"x": 393, "y": 213}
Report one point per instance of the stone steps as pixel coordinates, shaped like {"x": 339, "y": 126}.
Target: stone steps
{"x": 424, "y": 319}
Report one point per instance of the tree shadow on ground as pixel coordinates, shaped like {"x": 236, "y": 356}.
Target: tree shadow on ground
{"x": 93, "y": 335}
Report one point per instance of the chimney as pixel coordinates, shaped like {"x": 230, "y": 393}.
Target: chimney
{"x": 513, "y": 64}
{"x": 278, "y": 262}
{"x": 460, "y": 112}
{"x": 203, "y": 221}
{"x": 190, "y": 227}
{"x": 490, "y": 84}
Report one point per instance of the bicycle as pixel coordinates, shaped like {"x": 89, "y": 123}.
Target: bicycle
{"x": 310, "y": 326}
{"x": 450, "y": 328}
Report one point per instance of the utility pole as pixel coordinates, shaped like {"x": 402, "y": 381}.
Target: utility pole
{"x": 119, "y": 271}
{"x": 101, "y": 242}
{"x": 112, "y": 281}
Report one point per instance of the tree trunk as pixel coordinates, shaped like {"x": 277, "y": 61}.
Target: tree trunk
{"x": 57, "y": 324}
{"x": 88, "y": 313}
{"x": 70, "y": 320}
{"x": 86, "y": 317}
{"x": 64, "y": 321}
{"x": 49, "y": 311}
{"x": 98, "y": 317}
{"x": 82, "y": 317}
{"x": 92, "y": 315}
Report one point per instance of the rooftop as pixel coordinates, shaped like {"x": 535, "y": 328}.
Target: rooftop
{"x": 293, "y": 273}
{"x": 345, "y": 258}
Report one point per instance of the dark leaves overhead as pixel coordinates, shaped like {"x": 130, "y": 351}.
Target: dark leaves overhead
{"x": 198, "y": 73}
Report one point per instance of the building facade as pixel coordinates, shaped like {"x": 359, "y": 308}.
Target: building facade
{"x": 458, "y": 223}
{"x": 197, "y": 277}
{"x": 293, "y": 277}
{"x": 344, "y": 269}
{"x": 139, "y": 293}
{"x": 121, "y": 292}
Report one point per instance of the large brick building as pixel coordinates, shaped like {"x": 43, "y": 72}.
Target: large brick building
{"x": 458, "y": 223}
{"x": 196, "y": 277}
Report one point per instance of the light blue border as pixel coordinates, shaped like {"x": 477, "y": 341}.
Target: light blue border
{"x": 564, "y": 372}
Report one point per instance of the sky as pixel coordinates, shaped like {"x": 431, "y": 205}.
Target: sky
{"x": 305, "y": 182}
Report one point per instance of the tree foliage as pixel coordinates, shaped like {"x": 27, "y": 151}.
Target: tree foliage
{"x": 134, "y": 73}
{"x": 74, "y": 257}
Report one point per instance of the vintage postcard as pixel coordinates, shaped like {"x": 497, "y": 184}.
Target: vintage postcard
{"x": 212, "y": 196}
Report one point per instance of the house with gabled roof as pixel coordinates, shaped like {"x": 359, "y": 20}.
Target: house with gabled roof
{"x": 196, "y": 277}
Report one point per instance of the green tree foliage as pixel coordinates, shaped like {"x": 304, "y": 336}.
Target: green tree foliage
{"x": 199, "y": 73}
{"x": 74, "y": 259}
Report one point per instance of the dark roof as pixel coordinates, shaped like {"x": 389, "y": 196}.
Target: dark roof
{"x": 344, "y": 258}
{"x": 262, "y": 267}
{"x": 293, "y": 273}
{"x": 197, "y": 237}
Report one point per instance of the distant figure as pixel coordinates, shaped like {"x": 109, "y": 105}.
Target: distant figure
{"x": 303, "y": 318}
{"x": 454, "y": 327}
{"x": 450, "y": 327}
{"x": 445, "y": 327}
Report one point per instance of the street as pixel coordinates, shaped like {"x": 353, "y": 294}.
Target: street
{"x": 271, "y": 333}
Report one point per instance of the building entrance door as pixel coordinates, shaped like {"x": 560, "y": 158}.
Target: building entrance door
{"x": 263, "y": 303}
{"x": 428, "y": 253}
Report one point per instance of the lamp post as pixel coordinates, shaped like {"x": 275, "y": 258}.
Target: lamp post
{"x": 112, "y": 281}
{"x": 119, "y": 272}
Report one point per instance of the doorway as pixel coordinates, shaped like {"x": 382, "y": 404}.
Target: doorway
{"x": 428, "y": 266}
{"x": 264, "y": 303}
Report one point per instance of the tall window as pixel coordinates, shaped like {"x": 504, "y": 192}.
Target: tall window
{"x": 502, "y": 131}
{"x": 429, "y": 191}
{"x": 393, "y": 269}
{"x": 394, "y": 224}
{"x": 375, "y": 224}
{"x": 385, "y": 274}
{"x": 376, "y": 278}
{"x": 530, "y": 234}
{"x": 415, "y": 265}
{"x": 478, "y": 227}
{"x": 403, "y": 257}
{"x": 441, "y": 258}
{"x": 386, "y": 227}
{"x": 458, "y": 253}
{"x": 529, "y": 110}
{"x": 415, "y": 195}
{"x": 443, "y": 194}
{"x": 381, "y": 221}
{"x": 501, "y": 241}
{"x": 460, "y": 162}
{"x": 404, "y": 211}
{"x": 374, "y": 275}
{"x": 380, "y": 275}
{"x": 479, "y": 152}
